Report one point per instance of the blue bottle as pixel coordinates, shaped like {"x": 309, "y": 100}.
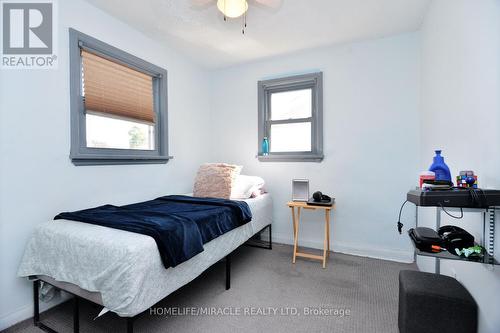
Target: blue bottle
{"x": 265, "y": 146}
{"x": 440, "y": 168}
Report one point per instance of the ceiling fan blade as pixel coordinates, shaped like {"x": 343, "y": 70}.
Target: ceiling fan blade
{"x": 274, "y": 4}
{"x": 202, "y": 4}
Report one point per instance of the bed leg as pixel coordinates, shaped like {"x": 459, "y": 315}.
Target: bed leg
{"x": 36, "y": 303}
{"x": 36, "y": 308}
{"x": 228, "y": 271}
{"x": 130, "y": 324}
{"x": 76, "y": 315}
{"x": 260, "y": 243}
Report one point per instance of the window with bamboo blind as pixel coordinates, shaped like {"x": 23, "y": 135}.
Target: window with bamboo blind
{"x": 115, "y": 89}
{"x": 119, "y": 105}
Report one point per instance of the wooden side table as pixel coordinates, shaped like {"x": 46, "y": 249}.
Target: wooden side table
{"x": 296, "y": 220}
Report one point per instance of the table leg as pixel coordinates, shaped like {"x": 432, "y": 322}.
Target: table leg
{"x": 325, "y": 243}
{"x": 327, "y": 212}
{"x": 295, "y": 234}
{"x": 297, "y": 223}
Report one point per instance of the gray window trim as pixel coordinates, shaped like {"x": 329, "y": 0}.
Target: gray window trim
{"x": 265, "y": 89}
{"x": 80, "y": 154}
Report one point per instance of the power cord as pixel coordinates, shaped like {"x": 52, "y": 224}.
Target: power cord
{"x": 400, "y": 225}
{"x": 478, "y": 197}
{"x": 455, "y": 217}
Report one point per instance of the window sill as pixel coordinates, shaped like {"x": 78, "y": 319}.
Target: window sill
{"x": 119, "y": 160}
{"x": 291, "y": 158}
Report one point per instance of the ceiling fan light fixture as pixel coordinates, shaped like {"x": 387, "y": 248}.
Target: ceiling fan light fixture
{"x": 232, "y": 8}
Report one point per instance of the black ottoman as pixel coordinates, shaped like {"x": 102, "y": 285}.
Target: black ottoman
{"x": 434, "y": 303}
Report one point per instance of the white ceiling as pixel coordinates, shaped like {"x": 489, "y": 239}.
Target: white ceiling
{"x": 201, "y": 33}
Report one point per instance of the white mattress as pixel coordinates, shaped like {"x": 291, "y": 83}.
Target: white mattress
{"x": 125, "y": 267}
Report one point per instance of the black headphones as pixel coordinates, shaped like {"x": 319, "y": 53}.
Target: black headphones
{"x": 318, "y": 197}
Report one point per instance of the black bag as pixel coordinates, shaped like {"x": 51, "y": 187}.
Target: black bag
{"x": 425, "y": 238}
{"x": 455, "y": 238}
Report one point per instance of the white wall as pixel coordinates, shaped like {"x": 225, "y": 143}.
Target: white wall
{"x": 461, "y": 115}
{"x": 371, "y": 137}
{"x": 37, "y": 179}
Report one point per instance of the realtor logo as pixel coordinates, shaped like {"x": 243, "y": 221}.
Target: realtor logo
{"x": 28, "y": 34}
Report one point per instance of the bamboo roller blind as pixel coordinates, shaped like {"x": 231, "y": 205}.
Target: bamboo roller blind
{"x": 116, "y": 89}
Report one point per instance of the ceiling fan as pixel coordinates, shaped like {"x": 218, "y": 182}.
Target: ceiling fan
{"x": 236, "y": 8}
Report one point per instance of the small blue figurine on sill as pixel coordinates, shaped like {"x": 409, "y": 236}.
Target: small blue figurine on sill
{"x": 265, "y": 146}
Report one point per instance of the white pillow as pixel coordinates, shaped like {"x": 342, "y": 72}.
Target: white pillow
{"x": 247, "y": 186}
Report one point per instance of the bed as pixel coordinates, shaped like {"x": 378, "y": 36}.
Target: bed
{"x": 121, "y": 270}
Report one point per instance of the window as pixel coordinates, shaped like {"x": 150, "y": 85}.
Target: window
{"x": 291, "y": 117}
{"x": 118, "y": 105}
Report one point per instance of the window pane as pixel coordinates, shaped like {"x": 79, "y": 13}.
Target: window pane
{"x": 291, "y": 104}
{"x": 290, "y": 137}
{"x": 110, "y": 132}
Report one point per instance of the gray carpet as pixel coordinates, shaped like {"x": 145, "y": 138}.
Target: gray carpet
{"x": 355, "y": 294}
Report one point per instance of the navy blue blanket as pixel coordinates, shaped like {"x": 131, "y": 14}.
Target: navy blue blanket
{"x": 179, "y": 224}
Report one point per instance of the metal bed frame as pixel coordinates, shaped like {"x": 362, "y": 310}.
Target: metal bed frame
{"x": 130, "y": 320}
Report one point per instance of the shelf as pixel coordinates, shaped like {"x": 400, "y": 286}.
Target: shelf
{"x": 290, "y": 158}
{"x": 455, "y": 198}
{"x": 486, "y": 259}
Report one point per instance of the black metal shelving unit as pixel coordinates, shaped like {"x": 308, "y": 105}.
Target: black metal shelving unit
{"x": 487, "y": 241}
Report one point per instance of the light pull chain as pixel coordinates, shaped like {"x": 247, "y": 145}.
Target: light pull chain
{"x": 244, "y": 23}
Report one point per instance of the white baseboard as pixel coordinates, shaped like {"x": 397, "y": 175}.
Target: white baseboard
{"x": 26, "y": 311}
{"x": 16, "y": 316}
{"x": 353, "y": 249}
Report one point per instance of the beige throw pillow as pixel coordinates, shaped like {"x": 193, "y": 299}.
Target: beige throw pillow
{"x": 215, "y": 180}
